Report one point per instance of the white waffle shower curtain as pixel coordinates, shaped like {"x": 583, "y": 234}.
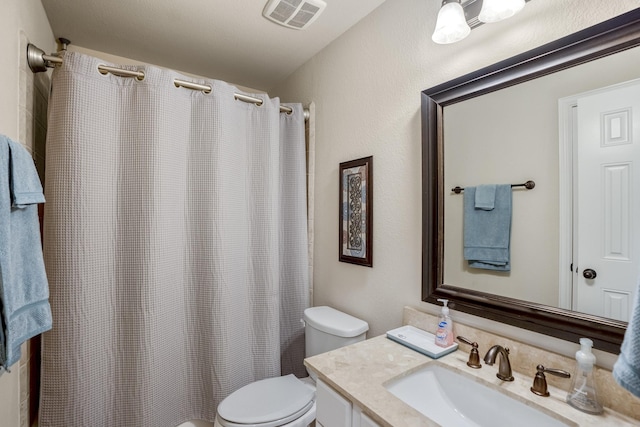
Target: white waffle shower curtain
{"x": 175, "y": 241}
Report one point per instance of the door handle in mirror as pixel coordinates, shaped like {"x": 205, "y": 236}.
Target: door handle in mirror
{"x": 589, "y": 273}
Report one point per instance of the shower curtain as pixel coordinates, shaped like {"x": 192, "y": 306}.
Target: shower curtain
{"x": 175, "y": 243}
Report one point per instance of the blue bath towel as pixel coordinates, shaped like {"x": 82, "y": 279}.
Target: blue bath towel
{"x": 24, "y": 183}
{"x": 626, "y": 370}
{"x": 487, "y": 233}
{"x": 24, "y": 290}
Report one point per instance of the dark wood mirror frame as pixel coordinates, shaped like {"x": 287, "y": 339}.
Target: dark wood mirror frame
{"x": 606, "y": 38}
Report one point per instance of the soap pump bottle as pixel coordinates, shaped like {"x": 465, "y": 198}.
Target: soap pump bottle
{"x": 582, "y": 394}
{"x": 444, "y": 333}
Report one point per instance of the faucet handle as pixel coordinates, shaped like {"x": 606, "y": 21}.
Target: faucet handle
{"x": 540, "y": 381}
{"x": 474, "y": 357}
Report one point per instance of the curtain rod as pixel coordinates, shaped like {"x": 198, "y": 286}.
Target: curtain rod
{"x": 39, "y": 62}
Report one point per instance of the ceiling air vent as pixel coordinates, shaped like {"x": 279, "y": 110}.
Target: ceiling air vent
{"x": 296, "y": 14}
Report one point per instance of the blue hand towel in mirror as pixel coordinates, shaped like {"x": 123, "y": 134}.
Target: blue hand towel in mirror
{"x": 487, "y": 233}
{"x": 485, "y": 197}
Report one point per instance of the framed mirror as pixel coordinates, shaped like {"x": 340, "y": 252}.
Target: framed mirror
{"x": 603, "y": 40}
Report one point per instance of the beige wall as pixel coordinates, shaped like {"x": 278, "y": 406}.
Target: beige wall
{"x": 366, "y": 86}
{"x": 19, "y": 19}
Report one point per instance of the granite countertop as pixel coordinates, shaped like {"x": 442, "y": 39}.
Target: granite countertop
{"x": 360, "y": 371}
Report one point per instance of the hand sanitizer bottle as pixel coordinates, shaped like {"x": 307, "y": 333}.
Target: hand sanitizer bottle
{"x": 444, "y": 333}
{"x": 582, "y": 394}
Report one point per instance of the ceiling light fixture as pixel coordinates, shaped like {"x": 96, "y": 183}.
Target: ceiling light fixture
{"x": 456, "y": 18}
{"x": 451, "y": 25}
{"x": 497, "y": 10}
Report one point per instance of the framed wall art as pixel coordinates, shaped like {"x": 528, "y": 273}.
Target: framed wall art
{"x": 356, "y": 212}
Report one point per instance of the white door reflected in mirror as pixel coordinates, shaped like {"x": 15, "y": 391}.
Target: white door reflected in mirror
{"x": 604, "y": 128}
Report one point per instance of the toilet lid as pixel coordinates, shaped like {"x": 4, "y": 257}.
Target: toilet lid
{"x": 266, "y": 400}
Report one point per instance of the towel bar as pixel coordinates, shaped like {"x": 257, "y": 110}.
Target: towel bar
{"x": 528, "y": 185}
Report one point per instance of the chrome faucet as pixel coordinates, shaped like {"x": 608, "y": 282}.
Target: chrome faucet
{"x": 504, "y": 368}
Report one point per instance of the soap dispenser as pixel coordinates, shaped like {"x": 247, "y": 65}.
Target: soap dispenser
{"x": 444, "y": 333}
{"x": 582, "y": 394}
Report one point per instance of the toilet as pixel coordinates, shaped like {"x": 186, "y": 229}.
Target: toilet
{"x": 288, "y": 401}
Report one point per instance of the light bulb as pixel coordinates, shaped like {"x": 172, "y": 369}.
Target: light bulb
{"x": 451, "y": 25}
{"x": 497, "y": 10}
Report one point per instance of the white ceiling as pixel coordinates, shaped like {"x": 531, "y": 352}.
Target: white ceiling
{"x": 223, "y": 39}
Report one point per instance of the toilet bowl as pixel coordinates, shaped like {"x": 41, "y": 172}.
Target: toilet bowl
{"x": 274, "y": 402}
{"x": 288, "y": 401}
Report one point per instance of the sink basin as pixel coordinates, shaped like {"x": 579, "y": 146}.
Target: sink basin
{"x": 454, "y": 400}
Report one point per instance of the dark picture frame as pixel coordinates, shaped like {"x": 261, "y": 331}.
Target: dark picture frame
{"x": 355, "y": 217}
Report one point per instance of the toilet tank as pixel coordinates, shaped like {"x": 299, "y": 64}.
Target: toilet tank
{"x": 327, "y": 329}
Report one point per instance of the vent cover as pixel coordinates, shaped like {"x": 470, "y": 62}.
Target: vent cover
{"x": 296, "y": 14}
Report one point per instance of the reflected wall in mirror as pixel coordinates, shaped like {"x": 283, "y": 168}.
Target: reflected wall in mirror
{"x": 516, "y": 148}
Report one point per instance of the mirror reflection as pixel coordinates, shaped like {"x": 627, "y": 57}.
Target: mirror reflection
{"x": 578, "y": 220}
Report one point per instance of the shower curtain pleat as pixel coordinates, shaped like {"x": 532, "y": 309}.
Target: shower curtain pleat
{"x": 293, "y": 298}
{"x": 175, "y": 243}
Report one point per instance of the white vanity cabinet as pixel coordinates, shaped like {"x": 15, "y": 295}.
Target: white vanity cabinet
{"x": 333, "y": 410}
{"x": 360, "y": 419}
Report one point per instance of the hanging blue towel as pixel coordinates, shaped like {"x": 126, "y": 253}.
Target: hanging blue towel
{"x": 24, "y": 290}
{"x": 487, "y": 233}
{"x": 24, "y": 183}
{"x": 485, "y": 197}
{"x": 626, "y": 370}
